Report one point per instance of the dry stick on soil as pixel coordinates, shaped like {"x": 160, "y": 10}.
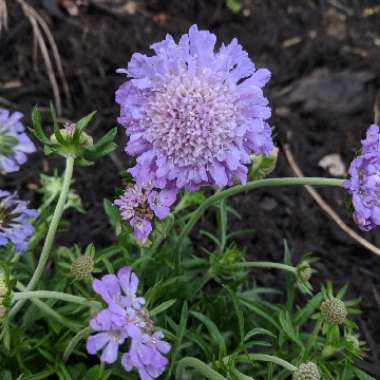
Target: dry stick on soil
{"x": 376, "y": 108}
{"x": 55, "y": 51}
{"x": 3, "y": 15}
{"x": 326, "y": 208}
{"x": 35, "y": 21}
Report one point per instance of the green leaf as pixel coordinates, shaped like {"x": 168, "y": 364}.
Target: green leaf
{"x": 289, "y": 329}
{"x": 234, "y": 5}
{"x": 262, "y": 165}
{"x": 260, "y": 312}
{"x": 238, "y": 312}
{"x": 307, "y": 311}
{"x": 37, "y": 128}
{"x": 84, "y": 121}
{"x": 179, "y": 337}
{"x": 161, "y": 308}
{"x": 213, "y": 330}
{"x": 362, "y": 375}
{"x": 42, "y": 375}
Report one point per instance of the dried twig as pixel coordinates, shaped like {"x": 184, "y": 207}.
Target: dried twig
{"x": 3, "y": 16}
{"x": 41, "y": 29}
{"x": 376, "y": 108}
{"x": 327, "y": 209}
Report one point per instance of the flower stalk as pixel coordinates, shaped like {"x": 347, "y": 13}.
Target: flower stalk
{"x": 257, "y": 184}
{"x": 32, "y": 294}
{"x": 51, "y": 232}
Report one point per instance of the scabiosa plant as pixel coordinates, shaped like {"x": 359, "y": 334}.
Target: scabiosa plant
{"x": 194, "y": 115}
{"x": 126, "y": 317}
{"x": 364, "y": 182}
{"x": 15, "y": 226}
{"x": 15, "y": 145}
{"x": 138, "y": 206}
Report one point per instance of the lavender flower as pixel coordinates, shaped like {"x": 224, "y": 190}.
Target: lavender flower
{"x": 108, "y": 338}
{"x": 124, "y": 319}
{"x": 15, "y": 226}
{"x": 194, "y": 115}
{"x": 146, "y": 355}
{"x": 364, "y": 182}
{"x": 138, "y": 206}
{"x": 120, "y": 289}
{"x": 14, "y": 143}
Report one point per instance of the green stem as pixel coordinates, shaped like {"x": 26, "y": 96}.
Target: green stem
{"x": 46, "y": 309}
{"x": 54, "y": 295}
{"x": 264, "y": 264}
{"x": 268, "y": 182}
{"x": 262, "y": 358}
{"x": 51, "y": 232}
{"x": 201, "y": 367}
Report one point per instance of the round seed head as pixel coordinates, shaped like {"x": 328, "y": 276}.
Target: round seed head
{"x": 82, "y": 266}
{"x": 307, "y": 371}
{"x": 334, "y": 311}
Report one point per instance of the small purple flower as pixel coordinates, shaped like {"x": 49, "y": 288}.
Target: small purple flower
{"x": 126, "y": 318}
{"x": 138, "y": 206}
{"x": 120, "y": 289}
{"x": 364, "y": 182}
{"x": 15, "y": 226}
{"x": 14, "y": 142}
{"x": 108, "y": 338}
{"x": 146, "y": 356}
{"x": 194, "y": 115}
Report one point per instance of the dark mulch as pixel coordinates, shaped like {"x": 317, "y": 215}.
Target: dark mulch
{"x": 325, "y": 59}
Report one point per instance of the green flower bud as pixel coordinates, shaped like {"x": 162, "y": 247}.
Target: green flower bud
{"x": 82, "y": 266}
{"x": 307, "y": 371}
{"x": 305, "y": 272}
{"x": 334, "y": 311}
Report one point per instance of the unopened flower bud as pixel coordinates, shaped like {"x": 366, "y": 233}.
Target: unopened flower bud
{"x": 82, "y": 266}
{"x": 334, "y": 311}
{"x": 305, "y": 272}
{"x": 85, "y": 140}
{"x": 307, "y": 371}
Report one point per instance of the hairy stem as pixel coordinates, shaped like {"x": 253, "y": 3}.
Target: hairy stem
{"x": 264, "y": 264}
{"x": 262, "y": 358}
{"x": 30, "y": 294}
{"x": 269, "y": 182}
{"x": 51, "y": 232}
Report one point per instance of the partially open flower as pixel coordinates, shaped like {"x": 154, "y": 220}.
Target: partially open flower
{"x": 364, "y": 182}
{"x": 334, "y": 311}
{"x": 138, "y": 206}
{"x": 15, "y": 145}
{"x": 194, "y": 115}
{"x": 307, "y": 371}
{"x": 15, "y": 226}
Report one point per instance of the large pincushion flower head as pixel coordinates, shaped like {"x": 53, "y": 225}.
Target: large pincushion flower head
{"x": 364, "y": 182}
{"x": 194, "y": 115}
{"x": 15, "y": 145}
